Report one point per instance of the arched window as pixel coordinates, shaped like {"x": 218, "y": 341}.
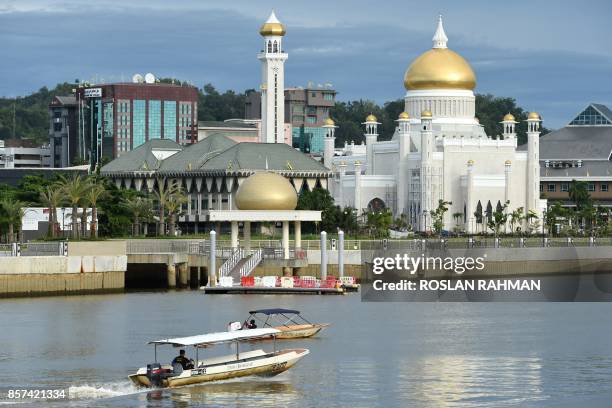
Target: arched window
{"x": 376, "y": 204}
{"x": 275, "y": 46}
{"x": 269, "y": 46}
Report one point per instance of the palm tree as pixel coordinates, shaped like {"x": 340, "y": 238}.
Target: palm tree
{"x": 51, "y": 197}
{"x": 162, "y": 194}
{"x": 74, "y": 189}
{"x": 457, "y": 217}
{"x": 174, "y": 204}
{"x": 94, "y": 194}
{"x": 532, "y": 220}
{"x": 142, "y": 209}
{"x": 13, "y": 211}
{"x": 516, "y": 217}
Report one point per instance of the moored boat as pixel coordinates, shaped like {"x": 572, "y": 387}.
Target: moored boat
{"x": 290, "y": 323}
{"x": 240, "y": 364}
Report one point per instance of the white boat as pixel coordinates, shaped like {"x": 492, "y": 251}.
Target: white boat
{"x": 240, "y": 364}
{"x": 290, "y": 322}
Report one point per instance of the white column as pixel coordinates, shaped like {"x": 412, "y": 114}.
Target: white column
{"x": 340, "y": 194}
{"x": 199, "y": 209}
{"x": 298, "y": 234}
{"x": 247, "y": 235}
{"x": 533, "y": 164}
{"x": 323, "y": 255}
{"x": 188, "y": 204}
{"x": 469, "y": 205}
{"x": 340, "y": 253}
{"x": 508, "y": 173}
{"x": 234, "y": 238}
{"x": 286, "y": 239}
{"x": 209, "y": 196}
{"x": 219, "y": 201}
{"x": 357, "y": 199}
{"x": 212, "y": 270}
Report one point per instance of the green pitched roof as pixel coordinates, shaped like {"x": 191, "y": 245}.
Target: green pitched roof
{"x": 142, "y": 157}
{"x": 194, "y": 156}
{"x": 262, "y": 156}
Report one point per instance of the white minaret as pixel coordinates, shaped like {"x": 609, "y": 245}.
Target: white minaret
{"x": 371, "y": 137}
{"x": 272, "y": 81}
{"x": 330, "y": 141}
{"x": 403, "y": 127}
{"x": 427, "y": 150}
{"x": 533, "y": 163}
{"x": 509, "y": 124}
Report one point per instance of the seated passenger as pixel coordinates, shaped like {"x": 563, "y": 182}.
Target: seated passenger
{"x": 184, "y": 362}
{"x": 251, "y": 324}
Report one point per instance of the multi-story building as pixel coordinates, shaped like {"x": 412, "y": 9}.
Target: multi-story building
{"x": 120, "y": 117}
{"x": 580, "y": 151}
{"x": 63, "y": 130}
{"x": 16, "y": 154}
{"x": 305, "y": 109}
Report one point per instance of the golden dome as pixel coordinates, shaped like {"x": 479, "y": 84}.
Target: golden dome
{"x": 329, "y": 122}
{"x": 509, "y": 117}
{"x": 470, "y": 162}
{"x": 266, "y": 191}
{"x": 533, "y": 116}
{"x": 440, "y": 68}
{"x": 370, "y": 118}
{"x": 426, "y": 114}
{"x": 272, "y": 27}
{"x": 508, "y": 162}
{"x": 404, "y": 115}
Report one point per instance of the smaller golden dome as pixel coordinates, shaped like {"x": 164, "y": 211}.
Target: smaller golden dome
{"x": 509, "y": 117}
{"x": 272, "y": 27}
{"x": 533, "y": 116}
{"x": 266, "y": 191}
{"x": 470, "y": 162}
{"x": 371, "y": 118}
{"x": 329, "y": 122}
{"x": 508, "y": 162}
{"x": 404, "y": 115}
{"x": 426, "y": 114}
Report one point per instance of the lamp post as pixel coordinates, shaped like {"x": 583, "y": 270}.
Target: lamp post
{"x": 63, "y": 222}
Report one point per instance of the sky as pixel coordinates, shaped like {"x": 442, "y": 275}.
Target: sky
{"x": 553, "y": 57}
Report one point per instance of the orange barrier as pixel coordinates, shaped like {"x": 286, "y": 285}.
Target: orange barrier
{"x": 247, "y": 281}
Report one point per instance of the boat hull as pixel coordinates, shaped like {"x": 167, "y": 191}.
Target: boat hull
{"x": 268, "y": 367}
{"x": 299, "y": 331}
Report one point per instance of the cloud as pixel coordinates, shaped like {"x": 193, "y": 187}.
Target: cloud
{"x": 363, "y": 50}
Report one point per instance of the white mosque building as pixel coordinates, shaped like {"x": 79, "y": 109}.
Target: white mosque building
{"x": 439, "y": 151}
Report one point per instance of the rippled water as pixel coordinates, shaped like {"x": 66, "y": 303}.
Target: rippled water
{"x": 373, "y": 355}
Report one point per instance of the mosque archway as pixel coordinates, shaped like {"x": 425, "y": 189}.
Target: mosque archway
{"x": 376, "y": 204}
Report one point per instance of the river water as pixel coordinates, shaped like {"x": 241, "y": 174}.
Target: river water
{"x": 372, "y": 355}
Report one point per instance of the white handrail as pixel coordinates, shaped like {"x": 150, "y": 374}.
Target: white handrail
{"x": 231, "y": 262}
{"x": 254, "y": 260}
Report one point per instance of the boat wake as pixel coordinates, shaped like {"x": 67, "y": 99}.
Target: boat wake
{"x": 108, "y": 390}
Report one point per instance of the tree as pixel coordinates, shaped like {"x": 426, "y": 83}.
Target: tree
{"x": 141, "y": 209}
{"x": 320, "y": 199}
{"x": 74, "y": 188}
{"x": 163, "y": 195}
{"x": 12, "y": 212}
{"x": 457, "y": 217}
{"x": 499, "y": 217}
{"x": 516, "y": 217}
{"x": 437, "y": 216}
{"x": 379, "y": 222}
{"x": 174, "y": 205}
{"x": 51, "y": 198}
{"x": 94, "y": 194}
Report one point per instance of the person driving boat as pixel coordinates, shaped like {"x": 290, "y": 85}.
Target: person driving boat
{"x": 183, "y": 361}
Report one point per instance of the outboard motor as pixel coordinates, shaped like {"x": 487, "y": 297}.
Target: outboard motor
{"x": 155, "y": 374}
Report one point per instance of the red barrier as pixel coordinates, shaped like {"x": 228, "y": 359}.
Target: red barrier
{"x": 247, "y": 281}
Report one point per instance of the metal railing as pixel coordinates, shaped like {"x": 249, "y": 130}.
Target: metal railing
{"x": 56, "y": 248}
{"x": 254, "y": 260}
{"x": 231, "y": 262}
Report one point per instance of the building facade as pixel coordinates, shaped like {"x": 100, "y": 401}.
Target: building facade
{"x": 120, "y": 117}
{"x": 64, "y": 130}
{"x": 581, "y": 151}
{"x": 19, "y": 155}
{"x": 439, "y": 151}
{"x": 305, "y": 109}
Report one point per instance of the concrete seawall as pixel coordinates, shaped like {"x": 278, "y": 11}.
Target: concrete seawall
{"x": 90, "y": 267}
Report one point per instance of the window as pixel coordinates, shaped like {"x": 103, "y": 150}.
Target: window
{"x": 57, "y": 127}
{"x": 313, "y": 94}
{"x": 551, "y": 188}
{"x": 170, "y": 120}
{"x": 589, "y": 117}
{"x": 139, "y": 122}
{"x": 57, "y": 114}
{"x": 564, "y": 187}
{"x": 328, "y": 96}
{"x": 312, "y": 119}
{"x": 603, "y": 187}
{"x": 591, "y": 187}
{"x": 154, "y": 119}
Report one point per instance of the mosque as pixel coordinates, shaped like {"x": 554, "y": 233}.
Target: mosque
{"x": 439, "y": 151}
